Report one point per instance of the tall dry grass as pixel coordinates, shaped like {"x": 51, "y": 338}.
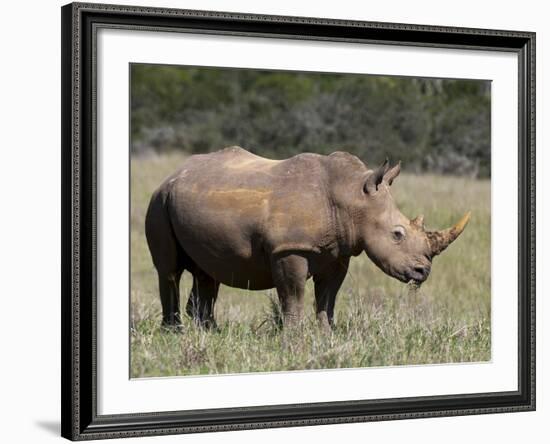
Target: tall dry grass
{"x": 378, "y": 322}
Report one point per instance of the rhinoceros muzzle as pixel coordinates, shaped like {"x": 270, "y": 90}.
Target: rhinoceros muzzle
{"x": 418, "y": 274}
{"x": 437, "y": 242}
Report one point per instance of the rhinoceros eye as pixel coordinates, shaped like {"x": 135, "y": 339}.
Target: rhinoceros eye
{"x": 398, "y": 233}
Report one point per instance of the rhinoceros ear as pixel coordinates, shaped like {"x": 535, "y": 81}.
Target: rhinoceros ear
{"x": 375, "y": 178}
{"x": 392, "y": 173}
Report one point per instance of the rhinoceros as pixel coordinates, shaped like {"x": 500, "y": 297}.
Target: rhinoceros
{"x": 245, "y": 221}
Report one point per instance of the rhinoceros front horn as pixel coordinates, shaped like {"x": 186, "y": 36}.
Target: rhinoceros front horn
{"x": 439, "y": 240}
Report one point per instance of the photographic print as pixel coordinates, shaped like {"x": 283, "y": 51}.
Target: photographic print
{"x": 274, "y": 221}
{"x": 285, "y": 220}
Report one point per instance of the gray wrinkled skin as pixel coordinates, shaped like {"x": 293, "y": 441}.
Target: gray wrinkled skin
{"x": 235, "y": 218}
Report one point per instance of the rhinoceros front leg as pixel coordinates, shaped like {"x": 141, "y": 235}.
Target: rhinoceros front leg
{"x": 289, "y": 276}
{"x": 202, "y": 298}
{"x": 327, "y": 285}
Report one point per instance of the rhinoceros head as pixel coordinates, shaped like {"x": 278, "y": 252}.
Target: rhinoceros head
{"x": 401, "y": 247}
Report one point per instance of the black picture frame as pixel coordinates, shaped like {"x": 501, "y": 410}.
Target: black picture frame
{"x": 78, "y": 332}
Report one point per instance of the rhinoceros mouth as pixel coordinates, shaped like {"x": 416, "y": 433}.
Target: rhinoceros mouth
{"x": 406, "y": 277}
{"x": 419, "y": 273}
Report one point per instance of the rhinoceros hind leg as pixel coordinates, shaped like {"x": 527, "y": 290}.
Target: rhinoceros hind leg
{"x": 170, "y": 298}
{"x": 168, "y": 258}
{"x": 202, "y": 298}
{"x": 289, "y": 276}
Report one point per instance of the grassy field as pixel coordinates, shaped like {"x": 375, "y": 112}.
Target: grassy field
{"x": 379, "y": 322}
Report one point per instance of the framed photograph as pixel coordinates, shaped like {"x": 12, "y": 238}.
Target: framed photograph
{"x": 280, "y": 221}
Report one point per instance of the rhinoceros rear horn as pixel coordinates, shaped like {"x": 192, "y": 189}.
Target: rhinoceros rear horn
{"x": 439, "y": 240}
{"x": 418, "y": 222}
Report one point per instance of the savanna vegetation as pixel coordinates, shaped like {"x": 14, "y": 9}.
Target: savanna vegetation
{"x": 440, "y": 129}
{"x": 379, "y": 321}
{"x": 432, "y": 125}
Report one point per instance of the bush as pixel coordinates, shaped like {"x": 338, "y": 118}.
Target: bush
{"x": 432, "y": 125}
